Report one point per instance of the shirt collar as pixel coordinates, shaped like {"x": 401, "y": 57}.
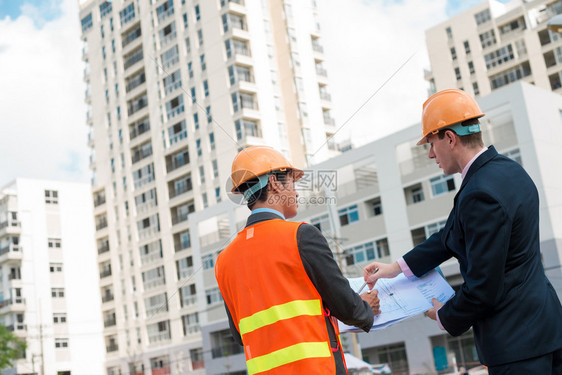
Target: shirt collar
{"x": 258, "y": 210}
{"x": 465, "y": 170}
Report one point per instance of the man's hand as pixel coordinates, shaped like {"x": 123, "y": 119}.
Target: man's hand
{"x": 432, "y": 313}
{"x": 372, "y": 298}
{"x": 385, "y": 271}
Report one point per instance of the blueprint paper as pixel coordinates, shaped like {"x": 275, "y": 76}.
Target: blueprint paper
{"x": 401, "y": 298}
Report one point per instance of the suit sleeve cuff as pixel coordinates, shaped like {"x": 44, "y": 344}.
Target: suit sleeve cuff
{"x": 405, "y": 269}
{"x": 439, "y": 320}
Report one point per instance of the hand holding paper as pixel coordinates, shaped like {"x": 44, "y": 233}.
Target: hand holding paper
{"x": 401, "y": 298}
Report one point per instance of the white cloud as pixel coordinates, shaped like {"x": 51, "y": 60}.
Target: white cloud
{"x": 42, "y": 111}
{"x": 365, "y": 43}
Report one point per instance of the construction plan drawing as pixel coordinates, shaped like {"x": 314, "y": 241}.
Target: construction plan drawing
{"x": 401, "y": 298}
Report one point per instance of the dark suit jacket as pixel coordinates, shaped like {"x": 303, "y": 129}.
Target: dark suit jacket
{"x": 493, "y": 232}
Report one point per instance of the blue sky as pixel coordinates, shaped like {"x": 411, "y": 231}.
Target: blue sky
{"x": 44, "y": 10}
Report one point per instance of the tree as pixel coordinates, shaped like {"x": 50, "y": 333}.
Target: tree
{"x": 11, "y": 348}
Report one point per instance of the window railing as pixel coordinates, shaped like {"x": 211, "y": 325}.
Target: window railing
{"x": 150, "y": 257}
{"x": 133, "y": 59}
{"x": 103, "y": 249}
{"x": 143, "y": 181}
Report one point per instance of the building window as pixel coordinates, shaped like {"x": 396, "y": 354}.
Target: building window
{"x": 458, "y": 74}
{"x": 449, "y": 33}
{"x": 462, "y": 347}
{"x": 348, "y": 215}
{"x": 487, "y": 38}
{"x": 57, "y": 292}
{"x": 190, "y": 323}
{"x": 208, "y": 261}
{"x": 197, "y": 13}
{"x": 483, "y": 16}
{"x": 59, "y": 318}
{"x": 374, "y": 206}
{"x": 499, "y": 56}
{"x": 394, "y": 355}
{"x": 54, "y": 243}
{"x": 203, "y": 63}
{"x": 471, "y": 67}
{"x": 442, "y": 184}
{"x": 206, "y": 88}
{"x": 514, "y": 74}
{"x": 466, "y": 47}
{"x": 55, "y": 267}
{"x": 475, "y": 88}
{"x": 86, "y": 22}
{"x": 453, "y": 53}
{"x": 51, "y": 196}
{"x": 212, "y": 140}
{"x": 61, "y": 343}
{"x": 321, "y": 222}
{"x": 414, "y": 194}
{"x": 127, "y": 14}
{"x": 213, "y": 296}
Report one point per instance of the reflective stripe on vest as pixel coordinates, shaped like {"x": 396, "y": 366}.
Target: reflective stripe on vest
{"x": 276, "y": 313}
{"x": 287, "y": 355}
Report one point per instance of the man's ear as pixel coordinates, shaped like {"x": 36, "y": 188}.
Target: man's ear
{"x": 273, "y": 184}
{"x": 451, "y": 137}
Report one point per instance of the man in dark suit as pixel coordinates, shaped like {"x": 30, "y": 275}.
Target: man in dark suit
{"x": 493, "y": 232}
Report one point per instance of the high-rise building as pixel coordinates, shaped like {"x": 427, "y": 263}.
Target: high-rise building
{"x": 48, "y": 288}
{"x": 494, "y": 44}
{"x": 175, "y": 89}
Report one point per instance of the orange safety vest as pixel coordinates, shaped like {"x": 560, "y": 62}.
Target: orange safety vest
{"x": 273, "y": 303}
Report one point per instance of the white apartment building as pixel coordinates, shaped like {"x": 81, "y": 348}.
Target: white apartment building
{"x": 494, "y": 44}
{"x": 48, "y": 287}
{"x": 175, "y": 89}
{"x": 384, "y": 198}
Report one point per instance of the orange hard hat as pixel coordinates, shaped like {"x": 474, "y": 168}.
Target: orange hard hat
{"x": 447, "y": 108}
{"x": 255, "y": 161}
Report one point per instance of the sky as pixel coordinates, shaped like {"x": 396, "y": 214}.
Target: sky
{"x": 43, "y": 132}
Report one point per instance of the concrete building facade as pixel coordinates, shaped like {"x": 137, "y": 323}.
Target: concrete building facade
{"x": 175, "y": 88}
{"x": 377, "y": 202}
{"x": 48, "y": 287}
{"x": 494, "y": 44}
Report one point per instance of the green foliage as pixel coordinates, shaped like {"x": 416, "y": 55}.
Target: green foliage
{"x": 11, "y": 348}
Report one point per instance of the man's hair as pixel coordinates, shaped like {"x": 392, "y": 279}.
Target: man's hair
{"x": 473, "y": 140}
{"x": 261, "y": 195}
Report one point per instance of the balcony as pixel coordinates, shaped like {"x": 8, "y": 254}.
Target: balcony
{"x": 132, "y": 59}
{"x": 165, "y": 14}
{"x": 105, "y": 273}
{"x": 99, "y": 200}
{"x": 101, "y": 224}
{"x": 11, "y": 252}
{"x": 159, "y": 337}
{"x": 170, "y": 62}
{"x": 167, "y": 39}
{"x": 143, "y": 181}
{"x": 15, "y": 304}
{"x": 151, "y": 284}
{"x": 174, "y": 164}
{"x": 103, "y": 249}
{"x": 151, "y": 257}
{"x": 147, "y": 206}
{"x": 148, "y": 232}
{"x": 108, "y": 297}
{"x": 112, "y": 348}
{"x": 110, "y": 322}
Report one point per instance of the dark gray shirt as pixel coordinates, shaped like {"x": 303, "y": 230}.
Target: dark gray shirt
{"x": 333, "y": 287}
